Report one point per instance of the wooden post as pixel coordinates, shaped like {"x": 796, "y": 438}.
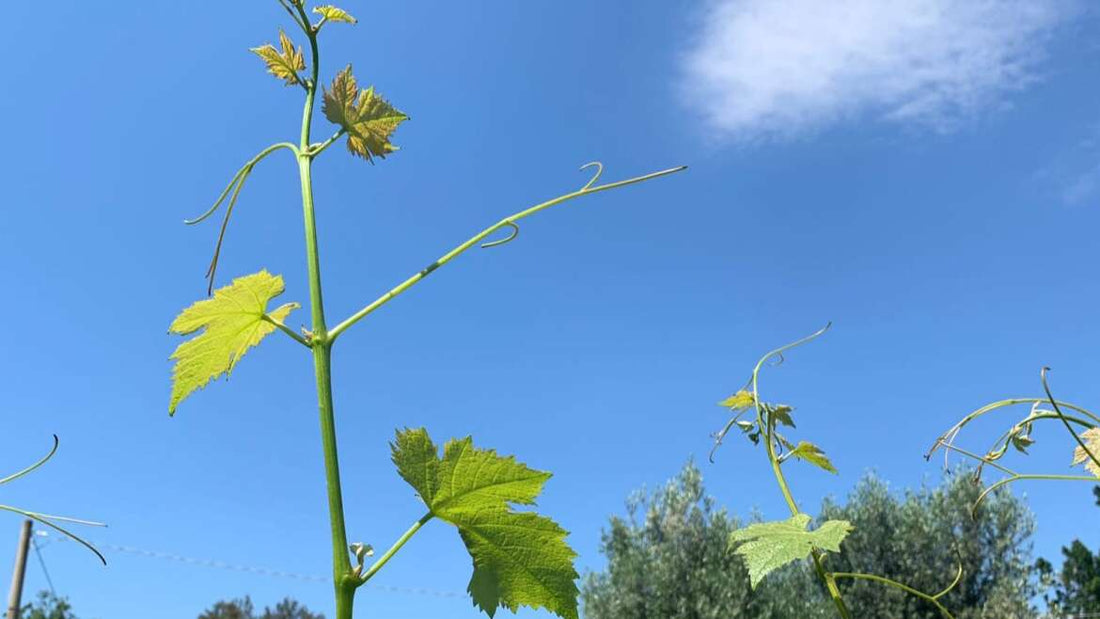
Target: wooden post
{"x": 20, "y": 570}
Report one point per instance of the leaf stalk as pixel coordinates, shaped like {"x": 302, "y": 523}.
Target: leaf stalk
{"x": 385, "y": 558}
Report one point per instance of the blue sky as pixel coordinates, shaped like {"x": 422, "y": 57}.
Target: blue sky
{"x": 924, "y": 175}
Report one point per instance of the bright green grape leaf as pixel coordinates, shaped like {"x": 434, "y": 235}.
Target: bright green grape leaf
{"x": 283, "y": 64}
{"x": 332, "y": 13}
{"x": 520, "y": 558}
{"x": 232, "y": 322}
{"x": 768, "y": 546}
{"x": 808, "y": 452}
{"x": 368, "y": 119}
{"x": 741, "y": 399}
{"x": 1092, "y": 439}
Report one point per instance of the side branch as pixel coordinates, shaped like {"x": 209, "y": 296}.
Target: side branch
{"x": 931, "y": 599}
{"x": 509, "y": 221}
{"x": 1015, "y": 478}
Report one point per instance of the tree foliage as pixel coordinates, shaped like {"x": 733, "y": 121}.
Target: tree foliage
{"x": 243, "y": 609}
{"x": 1076, "y": 588}
{"x": 668, "y": 558}
{"x": 47, "y": 606}
{"x": 921, "y": 537}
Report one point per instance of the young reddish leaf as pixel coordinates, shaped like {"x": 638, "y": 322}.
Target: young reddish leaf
{"x": 520, "y": 558}
{"x": 283, "y": 64}
{"x": 368, "y": 119}
{"x": 232, "y": 322}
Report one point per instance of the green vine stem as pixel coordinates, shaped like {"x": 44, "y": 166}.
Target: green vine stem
{"x": 1023, "y": 477}
{"x": 768, "y": 423}
{"x": 344, "y": 582}
{"x": 319, "y": 339}
{"x": 931, "y": 599}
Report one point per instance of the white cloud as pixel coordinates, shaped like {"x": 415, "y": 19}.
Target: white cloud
{"x": 778, "y": 68}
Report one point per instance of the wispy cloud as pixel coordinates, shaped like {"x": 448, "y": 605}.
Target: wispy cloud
{"x": 779, "y": 68}
{"x": 1083, "y": 188}
{"x": 1073, "y": 176}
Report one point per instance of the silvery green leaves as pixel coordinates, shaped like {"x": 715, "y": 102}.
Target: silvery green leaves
{"x": 520, "y": 558}
{"x": 768, "y": 546}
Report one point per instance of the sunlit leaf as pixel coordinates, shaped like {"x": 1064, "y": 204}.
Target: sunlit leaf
{"x": 283, "y": 64}
{"x": 768, "y": 546}
{"x": 1092, "y": 439}
{"x": 520, "y": 558}
{"x": 232, "y": 322}
{"x": 741, "y": 399}
{"x": 808, "y": 452}
{"x": 368, "y": 119}
{"x": 332, "y": 13}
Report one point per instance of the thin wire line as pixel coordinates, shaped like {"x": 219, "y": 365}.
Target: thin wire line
{"x": 42, "y": 562}
{"x": 263, "y": 571}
